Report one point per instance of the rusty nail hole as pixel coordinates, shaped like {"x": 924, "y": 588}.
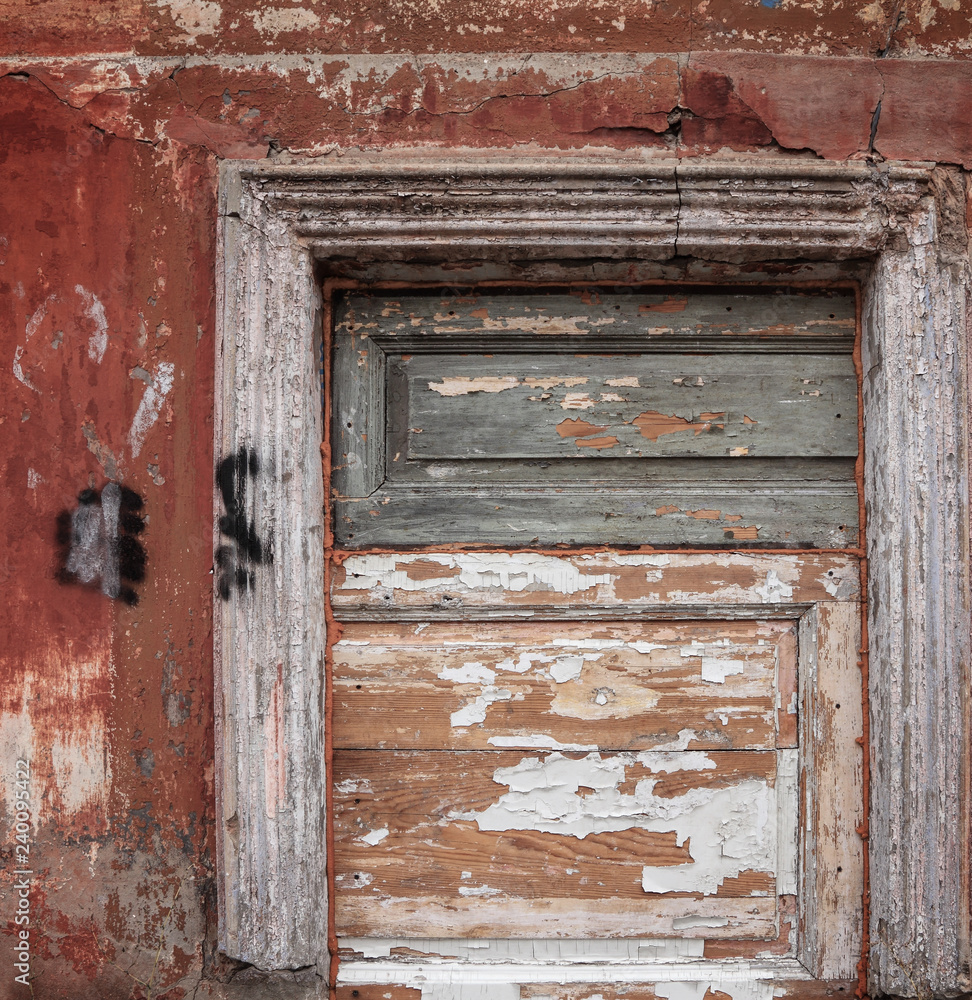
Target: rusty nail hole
{"x": 837, "y": 705}
{"x": 833, "y": 316}
{"x": 357, "y": 801}
{"x": 830, "y": 572}
{"x": 356, "y": 876}
{"x": 358, "y": 686}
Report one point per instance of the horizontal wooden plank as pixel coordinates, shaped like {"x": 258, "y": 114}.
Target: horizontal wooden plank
{"x": 606, "y": 686}
{"x": 604, "y": 314}
{"x": 461, "y": 407}
{"x": 555, "y": 917}
{"x": 599, "y": 842}
{"x": 787, "y": 515}
{"x": 373, "y": 584}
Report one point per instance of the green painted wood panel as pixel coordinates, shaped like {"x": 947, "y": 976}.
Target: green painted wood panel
{"x": 533, "y": 417}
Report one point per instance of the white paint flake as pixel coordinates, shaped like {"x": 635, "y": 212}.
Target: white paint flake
{"x": 148, "y": 409}
{"x": 774, "y": 590}
{"x": 475, "y": 712}
{"x": 715, "y": 669}
{"x": 478, "y": 890}
{"x": 468, "y": 673}
{"x": 375, "y": 837}
{"x": 681, "y": 742}
{"x": 567, "y": 668}
{"x": 537, "y": 741}
{"x": 95, "y": 311}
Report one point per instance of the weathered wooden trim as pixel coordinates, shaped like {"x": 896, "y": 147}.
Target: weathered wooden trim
{"x": 832, "y": 853}
{"x": 916, "y": 325}
{"x": 538, "y": 215}
{"x": 270, "y": 652}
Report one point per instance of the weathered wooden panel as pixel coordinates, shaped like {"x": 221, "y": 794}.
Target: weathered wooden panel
{"x": 832, "y": 807}
{"x": 487, "y": 844}
{"x": 743, "y": 516}
{"x": 583, "y": 584}
{"x": 523, "y": 417}
{"x": 505, "y": 406}
{"x": 611, "y": 686}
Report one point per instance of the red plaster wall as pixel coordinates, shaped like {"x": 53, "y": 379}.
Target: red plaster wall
{"x": 113, "y": 117}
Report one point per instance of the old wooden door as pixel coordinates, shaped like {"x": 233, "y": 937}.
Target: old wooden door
{"x": 594, "y": 688}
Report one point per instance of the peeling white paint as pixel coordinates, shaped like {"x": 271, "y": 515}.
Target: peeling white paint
{"x": 354, "y": 880}
{"x": 526, "y": 571}
{"x": 715, "y": 669}
{"x": 475, "y": 711}
{"x": 148, "y": 409}
{"x": 479, "y": 890}
{"x": 537, "y": 741}
{"x": 95, "y": 311}
{"x": 567, "y": 668}
{"x": 681, "y": 742}
{"x": 587, "y": 951}
{"x": 698, "y": 920}
{"x": 351, "y": 785}
{"x": 18, "y": 372}
{"x": 468, "y": 673}
{"x": 774, "y": 590}
{"x": 730, "y": 829}
{"x": 375, "y": 837}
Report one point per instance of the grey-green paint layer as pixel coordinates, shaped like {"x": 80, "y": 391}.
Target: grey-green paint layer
{"x": 549, "y": 417}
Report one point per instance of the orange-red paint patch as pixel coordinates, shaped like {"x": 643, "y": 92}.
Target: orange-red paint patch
{"x": 654, "y": 425}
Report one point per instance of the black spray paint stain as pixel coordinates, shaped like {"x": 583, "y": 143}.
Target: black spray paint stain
{"x": 98, "y": 543}
{"x": 235, "y": 562}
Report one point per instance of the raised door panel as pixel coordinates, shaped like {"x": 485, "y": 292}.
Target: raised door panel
{"x": 595, "y": 418}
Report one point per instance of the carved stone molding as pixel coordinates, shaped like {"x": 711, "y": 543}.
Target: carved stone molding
{"x": 621, "y": 217}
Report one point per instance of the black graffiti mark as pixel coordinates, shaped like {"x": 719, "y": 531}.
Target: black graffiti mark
{"x": 235, "y": 562}
{"x": 98, "y": 543}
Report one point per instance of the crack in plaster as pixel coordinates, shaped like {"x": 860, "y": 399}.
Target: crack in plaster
{"x": 486, "y": 100}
